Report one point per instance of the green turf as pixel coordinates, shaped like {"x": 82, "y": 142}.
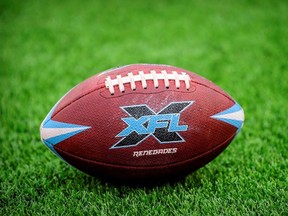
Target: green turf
{"x": 47, "y": 48}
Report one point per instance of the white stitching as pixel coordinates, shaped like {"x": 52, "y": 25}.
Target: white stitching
{"x": 187, "y": 83}
{"x": 109, "y": 85}
{"x": 155, "y": 77}
{"x": 155, "y": 80}
{"x": 132, "y": 82}
{"x": 120, "y": 83}
{"x": 143, "y": 79}
{"x": 166, "y": 80}
{"x": 177, "y": 80}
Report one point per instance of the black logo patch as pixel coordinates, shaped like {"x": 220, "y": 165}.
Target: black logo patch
{"x": 144, "y": 122}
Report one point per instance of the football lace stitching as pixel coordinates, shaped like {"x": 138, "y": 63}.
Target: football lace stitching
{"x": 143, "y": 78}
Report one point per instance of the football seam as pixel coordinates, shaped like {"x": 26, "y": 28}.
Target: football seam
{"x": 103, "y": 86}
{"x": 100, "y": 87}
{"x": 148, "y": 167}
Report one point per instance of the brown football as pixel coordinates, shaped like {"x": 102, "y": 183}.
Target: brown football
{"x": 142, "y": 122}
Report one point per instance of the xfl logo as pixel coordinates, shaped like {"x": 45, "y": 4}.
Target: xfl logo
{"x": 144, "y": 122}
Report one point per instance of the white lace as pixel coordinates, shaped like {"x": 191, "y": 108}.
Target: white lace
{"x": 141, "y": 77}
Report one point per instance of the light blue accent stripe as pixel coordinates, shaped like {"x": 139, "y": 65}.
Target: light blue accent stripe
{"x": 51, "y": 147}
{"x": 54, "y": 140}
{"x": 48, "y": 117}
{"x": 235, "y": 108}
{"x": 235, "y": 123}
{"x": 48, "y": 123}
{"x": 56, "y": 124}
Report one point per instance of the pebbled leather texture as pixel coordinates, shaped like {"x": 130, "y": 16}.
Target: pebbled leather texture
{"x": 91, "y": 104}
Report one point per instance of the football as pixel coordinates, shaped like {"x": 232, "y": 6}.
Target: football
{"x": 142, "y": 123}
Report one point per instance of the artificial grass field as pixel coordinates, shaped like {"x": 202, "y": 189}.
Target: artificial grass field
{"x": 47, "y": 48}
